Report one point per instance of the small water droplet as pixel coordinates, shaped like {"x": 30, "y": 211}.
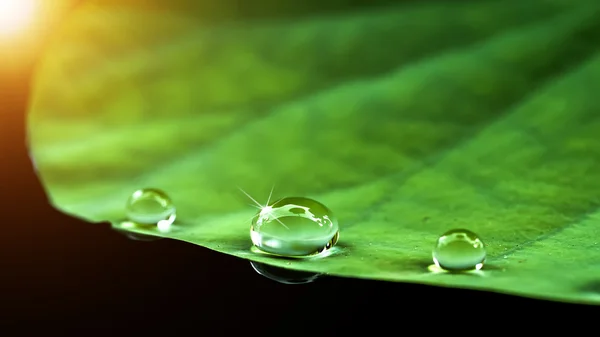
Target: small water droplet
{"x": 282, "y": 275}
{"x": 150, "y": 206}
{"x": 459, "y": 250}
{"x": 281, "y": 229}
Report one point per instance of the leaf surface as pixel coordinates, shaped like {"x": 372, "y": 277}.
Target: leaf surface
{"x": 406, "y": 121}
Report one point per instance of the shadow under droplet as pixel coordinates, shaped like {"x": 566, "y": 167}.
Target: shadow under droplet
{"x": 343, "y": 246}
{"x": 282, "y": 275}
{"x": 325, "y": 253}
{"x": 434, "y": 269}
{"x": 491, "y": 267}
{"x": 591, "y": 287}
{"x": 427, "y": 266}
{"x": 417, "y": 264}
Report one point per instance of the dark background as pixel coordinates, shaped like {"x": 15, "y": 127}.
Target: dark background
{"x": 60, "y": 274}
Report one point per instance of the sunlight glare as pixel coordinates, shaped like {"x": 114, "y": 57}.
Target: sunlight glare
{"x": 15, "y": 15}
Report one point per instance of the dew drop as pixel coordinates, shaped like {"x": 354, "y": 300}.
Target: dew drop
{"x": 459, "y": 250}
{"x": 282, "y": 275}
{"x": 294, "y": 227}
{"x": 150, "y": 206}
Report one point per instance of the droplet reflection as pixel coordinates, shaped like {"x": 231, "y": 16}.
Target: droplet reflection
{"x": 137, "y": 236}
{"x": 282, "y": 275}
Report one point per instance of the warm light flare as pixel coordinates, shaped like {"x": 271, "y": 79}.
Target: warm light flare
{"x": 16, "y": 15}
{"x": 25, "y": 26}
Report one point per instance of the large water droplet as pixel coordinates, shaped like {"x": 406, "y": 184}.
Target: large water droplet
{"x": 459, "y": 250}
{"x": 150, "y": 206}
{"x": 282, "y": 275}
{"x": 294, "y": 227}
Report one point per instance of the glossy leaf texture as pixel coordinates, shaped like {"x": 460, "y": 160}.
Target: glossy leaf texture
{"x": 406, "y": 120}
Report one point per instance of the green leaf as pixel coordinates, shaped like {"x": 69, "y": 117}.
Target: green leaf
{"x": 406, "y": 121}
